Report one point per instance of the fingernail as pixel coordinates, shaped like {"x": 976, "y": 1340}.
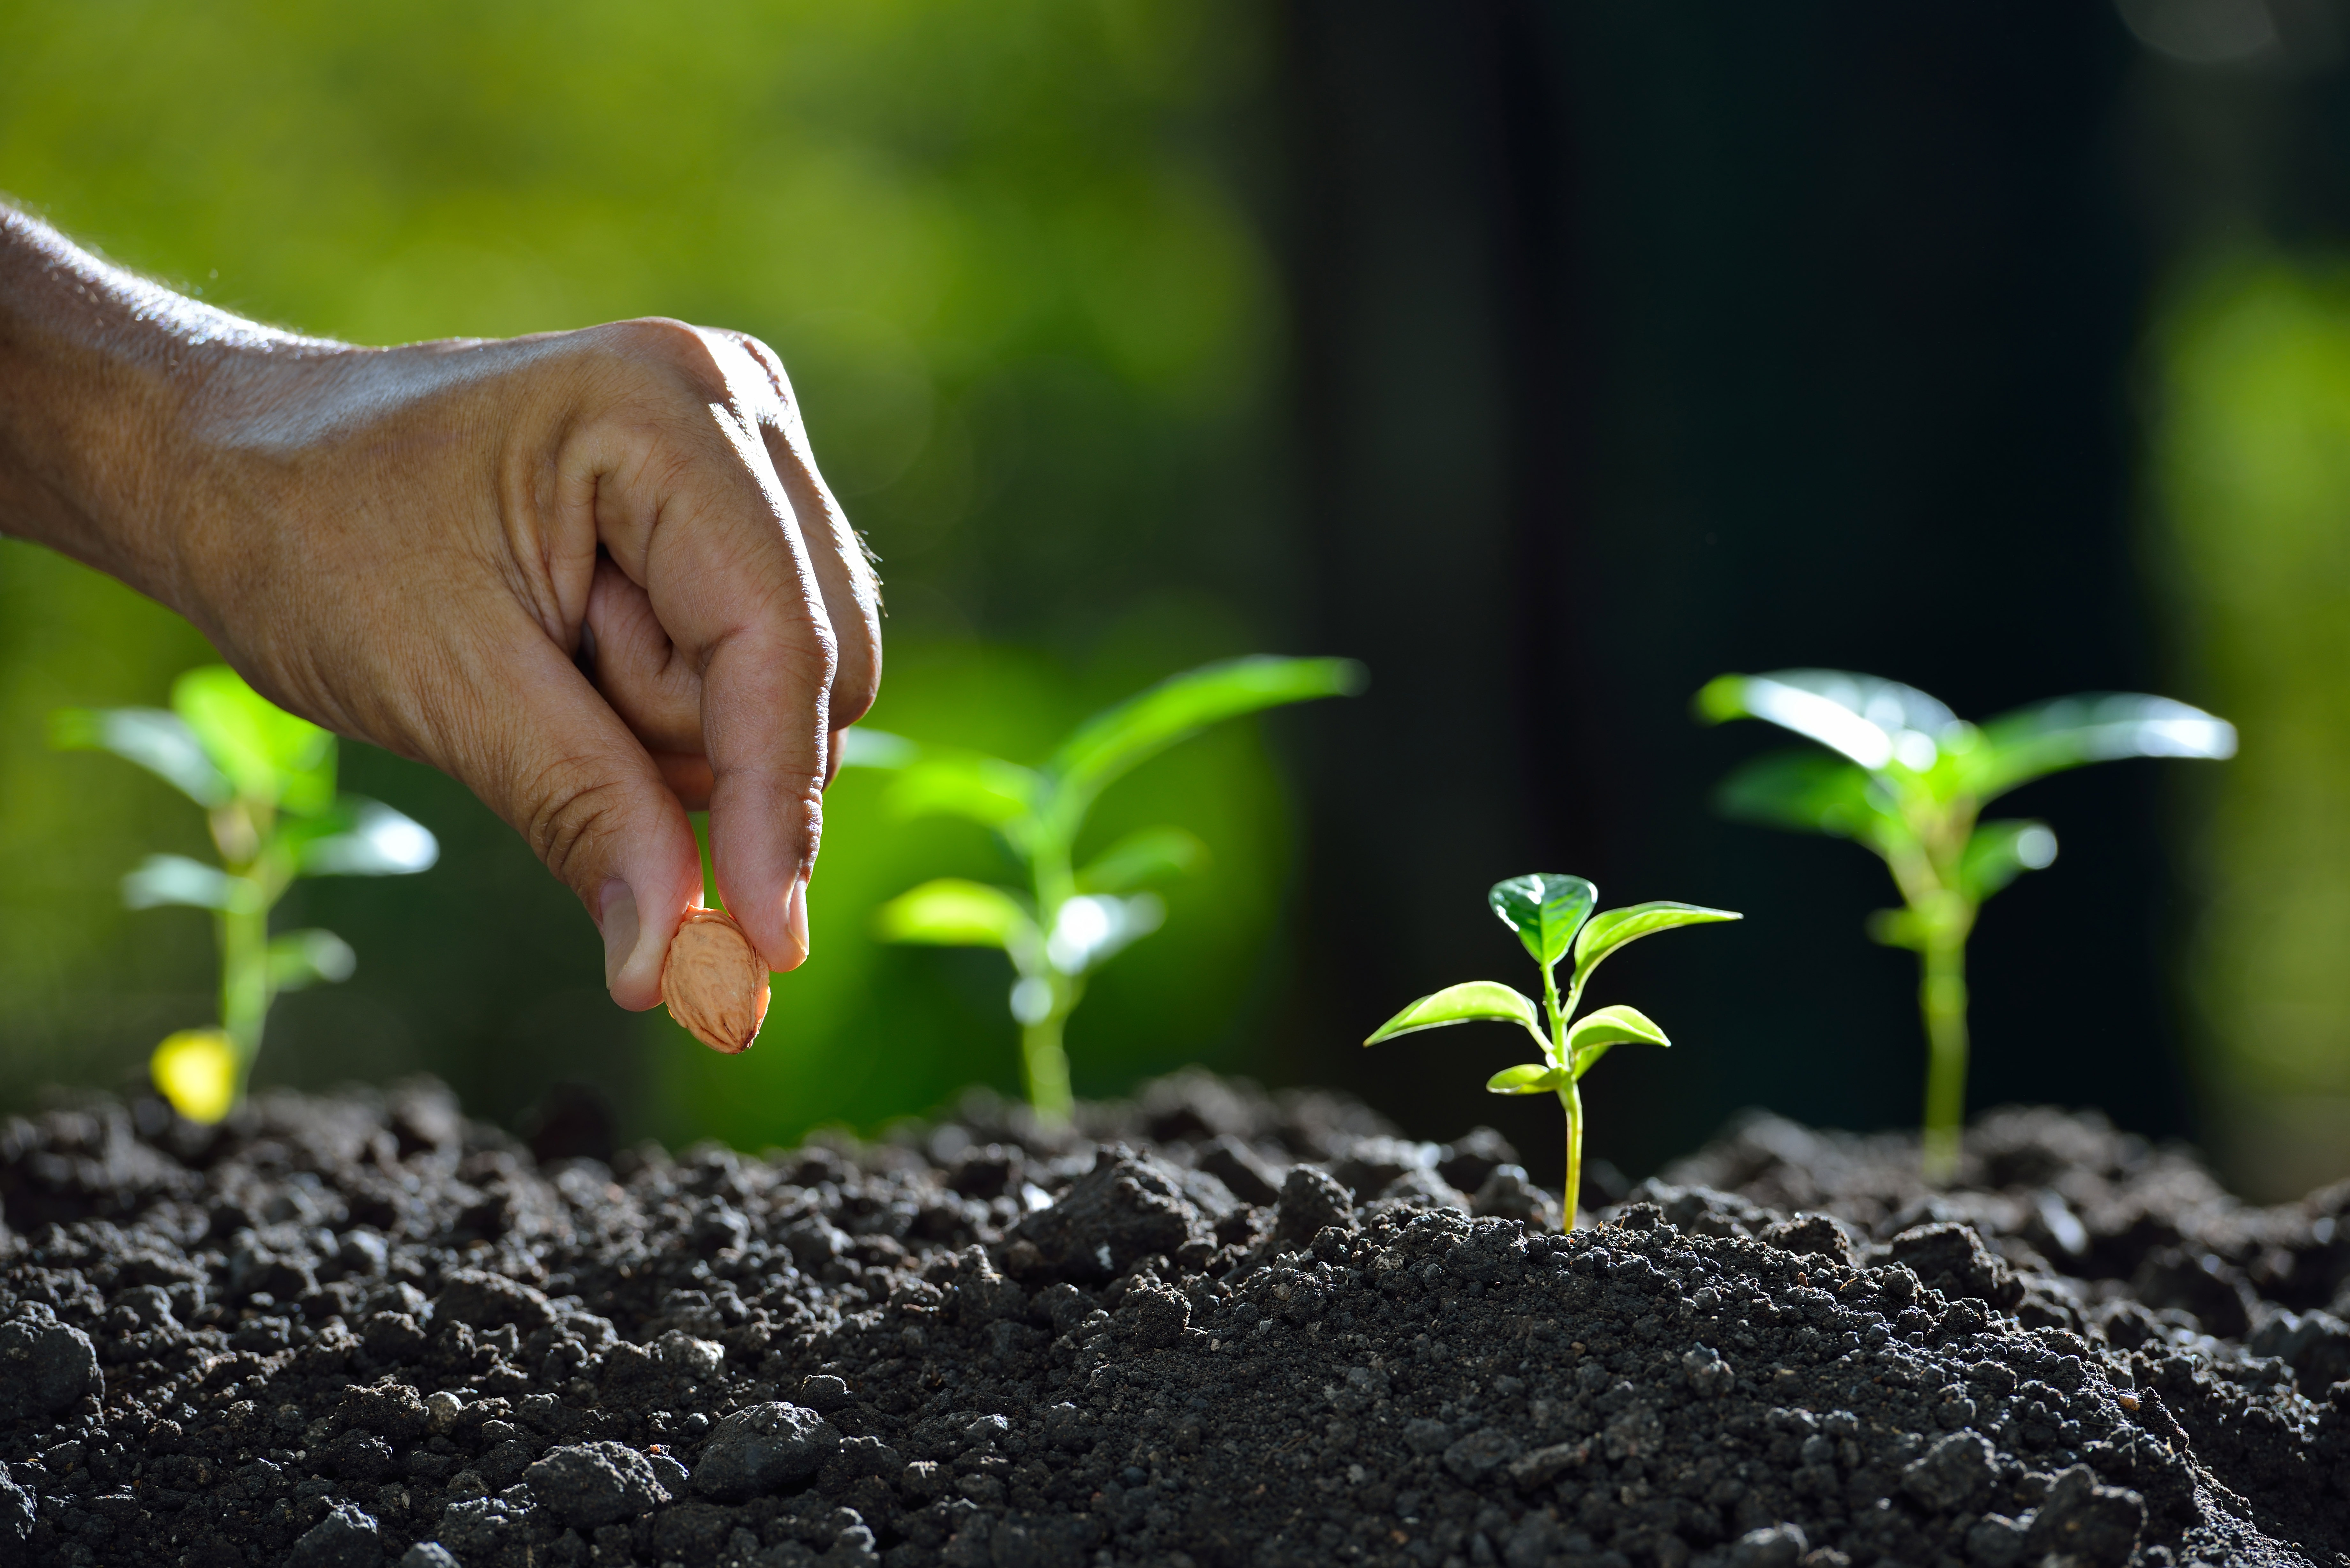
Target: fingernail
{"x": 620, "y": 926}
{"x": 796, "y": 918}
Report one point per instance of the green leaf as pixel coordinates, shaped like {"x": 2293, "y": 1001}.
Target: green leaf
{"x": 1545, "y": 908}
{"x": 1997, "y": 853}
{"x": 1810, "y": 792}
{"x": 951, "y": 912}
{"x": 1153, "y": 854}
{"x": 268, "y": 755}
{"x": 1899, "y": 929}
{"x": 2049, "y": 737}
{"x": 365, "y": 838}
{"x": 985, "y": 790}
{"x": 1611, "y": 930}
{"x": 162, "y": 879}
{"x": 864, "y": 748}
{"x": 1598, "y": 1031}
{"x": 1117, "y": 739}
{"x": 159, "y": 741}
{"x": 1527, "y": 1078}
{"x": 1474, "y": 1001}
{"x": 1617, "y": 1025}
{"x": 299, "y": 959}
{"x": 1090, "y": 928}
{"x": 1873, "y": 721}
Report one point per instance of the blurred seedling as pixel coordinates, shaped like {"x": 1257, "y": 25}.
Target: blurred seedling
{"x": 1905, "y": 777}
{"x": 1552, "y": 914}
{"x": 265, "y": 780}
{"x": 1069, "y": 919}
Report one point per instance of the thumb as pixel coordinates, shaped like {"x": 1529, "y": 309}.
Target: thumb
{"x": 553, "y": 759}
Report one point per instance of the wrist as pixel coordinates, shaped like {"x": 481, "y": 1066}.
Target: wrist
{"x": 105, "y": 449}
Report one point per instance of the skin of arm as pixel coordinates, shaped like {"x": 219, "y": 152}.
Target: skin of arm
{"x": 595, "y": 576}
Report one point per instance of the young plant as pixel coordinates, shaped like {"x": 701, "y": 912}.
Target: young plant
{"x": 1068, "y": 920}
{"x": 1907, "y": 778}
{"x": 266, "y": 782}
{"x": 1552, "y": 915}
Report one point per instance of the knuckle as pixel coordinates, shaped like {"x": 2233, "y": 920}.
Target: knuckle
{"x": 572, "y": 813}
{"x": 675, "y": 348}
{"x": 770, "y": 364}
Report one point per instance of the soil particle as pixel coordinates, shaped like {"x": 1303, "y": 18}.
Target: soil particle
{"x": 1207, "y": 1329}
{"x": 761, "y": 1449}
{"x": 600, "y": 1483}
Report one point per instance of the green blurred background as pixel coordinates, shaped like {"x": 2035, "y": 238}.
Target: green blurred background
{"x": 1551, "y": 359}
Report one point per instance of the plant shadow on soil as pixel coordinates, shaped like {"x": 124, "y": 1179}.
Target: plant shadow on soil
{"x": 1210, "y": 1327}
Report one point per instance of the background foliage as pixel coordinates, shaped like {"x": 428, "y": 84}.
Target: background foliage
{"x": 2254, "y": 479}
{"x": 1549, "y": 358}
{"x": 1000, "y": 247}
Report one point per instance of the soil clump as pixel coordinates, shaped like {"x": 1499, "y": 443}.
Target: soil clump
{"x": 1207, "y": 1328}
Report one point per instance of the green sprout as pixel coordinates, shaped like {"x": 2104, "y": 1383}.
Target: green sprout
{"x": 266, "y": 782}
{"x": 1069, "y": 920}
{"x": 1552, "y": 915}
{"x": 1908, "y": 779}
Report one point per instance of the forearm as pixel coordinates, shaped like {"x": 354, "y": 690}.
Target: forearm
{"x": 102, "y": 378}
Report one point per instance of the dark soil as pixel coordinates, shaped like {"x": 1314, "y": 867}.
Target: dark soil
{"x": 1235, "y": 1330}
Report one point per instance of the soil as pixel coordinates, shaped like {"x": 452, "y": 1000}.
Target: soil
{"x": 1211, "y": 1328}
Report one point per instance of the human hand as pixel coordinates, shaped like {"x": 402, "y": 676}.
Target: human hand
{"x": 594, "y": 574}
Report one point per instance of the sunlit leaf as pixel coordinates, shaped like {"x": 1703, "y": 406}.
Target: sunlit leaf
{"x": 1153, "y": 854}
{"x": 1545, "y": 908}
{"x": 1617, "y": 1025}
{"x": 985, "y": 790}
{"x": 1598, "y": 1031}
{"x": 1179, "y": 707}
{"x": 1612, "y": 929}
{"x": 1471, "y": 1002}
{"x": 953, "y": 912}
{"x": 1091, "y": 927}
{"x": 159, "y": 741}
{"x": 1872, "y": 720}
{"x": 2000, "y": 852}
{"x": 2049, "y": 737}
{"x": 1527, "y": 1078}
{"x": 268, "y": 755}
{"x": 195, "y": 1069}
{"x": 864, "y": 748}
{"x": 298, "y": 959}
{"x": 162, "y": 879}
{"x": 369, "y": 839}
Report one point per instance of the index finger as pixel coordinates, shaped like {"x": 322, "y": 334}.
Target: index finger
{"x": 686, "y": 501}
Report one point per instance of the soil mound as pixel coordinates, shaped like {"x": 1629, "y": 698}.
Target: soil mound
{"x": 1209, "y": 1328}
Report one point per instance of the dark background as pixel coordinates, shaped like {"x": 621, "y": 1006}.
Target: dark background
{"x": 1642, "y": 343}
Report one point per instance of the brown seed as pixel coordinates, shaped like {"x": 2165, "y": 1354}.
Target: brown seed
{"x": 713, "y": 983}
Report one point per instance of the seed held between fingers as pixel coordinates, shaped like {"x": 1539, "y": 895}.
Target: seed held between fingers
{"x": 713, "y": 983}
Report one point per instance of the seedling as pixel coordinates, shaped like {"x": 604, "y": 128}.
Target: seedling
{"x": 1067, "y": 922}
{"x": 1552, "y": 915}
{"x": 266, "y": 782}
{"x": 1908, "y": 779}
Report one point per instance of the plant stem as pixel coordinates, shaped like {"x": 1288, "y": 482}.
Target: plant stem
{"x": 1942, "y": 997}
{"x": 245, "y": 831}
{"x": 1044, "y": 1062}
{"x": 245, "y": 985}
{"x": 1570, "y": 1099}
{"x": 1045, "y": 1066}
